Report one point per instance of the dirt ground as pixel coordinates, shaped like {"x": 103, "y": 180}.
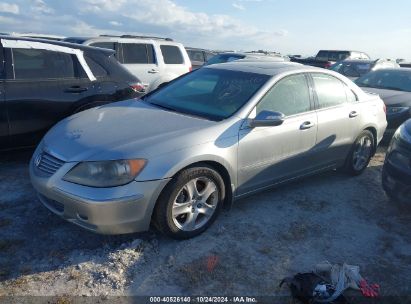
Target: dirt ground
{"x": 247, "y": 251}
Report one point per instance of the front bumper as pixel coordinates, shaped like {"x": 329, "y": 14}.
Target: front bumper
{"x": 116, "y": 210}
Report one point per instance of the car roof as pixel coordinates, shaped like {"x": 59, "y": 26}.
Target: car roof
{"x": 270, "y": 68}
{"x": 59, "y": 43}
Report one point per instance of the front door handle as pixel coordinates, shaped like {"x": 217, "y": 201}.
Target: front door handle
{"x": 153, "y": 71}
{"x": 307, "y": 125}
{"x": 353, "y": 114}
{"x": 76, "y": 89}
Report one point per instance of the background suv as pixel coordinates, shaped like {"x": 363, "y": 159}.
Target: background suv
{"x": 154, "y": 60}
{"x": 42, "y": 82}
{"x": 199, "y": 57}
{"x": 358, "y": 67}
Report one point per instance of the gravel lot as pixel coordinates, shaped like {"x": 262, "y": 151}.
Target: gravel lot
{"x": 246, "y": 252}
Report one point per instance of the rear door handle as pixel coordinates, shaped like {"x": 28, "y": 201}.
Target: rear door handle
{"x": 307, "y": 125}
{"x": 76, "y": 89}
{"x": 353, "y": 114}
{"x": 153, "y": 71}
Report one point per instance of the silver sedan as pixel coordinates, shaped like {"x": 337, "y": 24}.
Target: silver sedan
{"x": 177, "y": 156}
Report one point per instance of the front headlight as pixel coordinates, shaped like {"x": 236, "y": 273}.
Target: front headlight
{"x": 397, "y": 110}
{"x": 103, "y": 174}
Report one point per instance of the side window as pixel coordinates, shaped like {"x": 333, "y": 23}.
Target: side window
{"x": 195, "y": 55}
{"x": 105, "y": 45}
{"x": 95, "y": 67}
{"x": 208, "y": 56}
{"x": 330, "y": 90}
{"x": 171, "y": 54}
{"x": 138, "y": 53}
{"x": 42, "y": 64}
{"x": 289, "y": 96}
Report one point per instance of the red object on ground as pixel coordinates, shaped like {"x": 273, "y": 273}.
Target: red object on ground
{"x": 212, "y": 262}
{"x": 369, "y": 290}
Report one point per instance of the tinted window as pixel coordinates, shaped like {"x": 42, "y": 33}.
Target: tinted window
{"x": 138, "y": 53}
{"x": 95, "y": 67}
{"x": 333, "y": 55}
{"x": 289, "y": 96}
{"x": 208, "y": 56}
{"x": 104, "y": 45}
{"x": 35, "y": 64}
{"x": 195, "y": 55}
{"x": 330, "y": 90}
{"x": 211, "y": 93}
{"x": 171, "y": 54}
{"x": 1, "y": 62}
{"x": 399, "y": 80}
{"x": 352, "y": 69}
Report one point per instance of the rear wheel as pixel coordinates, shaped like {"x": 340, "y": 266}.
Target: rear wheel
{"x": 190, "y": 203}
{"x": 360, "y": 154}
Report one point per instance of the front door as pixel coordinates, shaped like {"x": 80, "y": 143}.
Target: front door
{"x": 268, "y": 155}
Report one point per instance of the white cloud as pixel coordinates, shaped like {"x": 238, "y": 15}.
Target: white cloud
{"x": 9, "y": 8}
{"x": 39, "y": 6}
{"x": 238, "y": 6}
{"x": 7, "y": 20}
{"x": 115, "y": 23}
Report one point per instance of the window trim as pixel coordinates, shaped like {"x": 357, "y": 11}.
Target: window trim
{"x": 310, "y": 92}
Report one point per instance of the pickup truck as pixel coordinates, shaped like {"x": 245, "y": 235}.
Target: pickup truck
{"x": 326, "y": 58}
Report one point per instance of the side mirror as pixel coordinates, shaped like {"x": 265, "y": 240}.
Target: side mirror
{"x": 267, "y": 119}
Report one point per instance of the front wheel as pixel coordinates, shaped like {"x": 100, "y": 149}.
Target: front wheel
{"x": 190, "y": 203}
{"x": 360, "y": 154}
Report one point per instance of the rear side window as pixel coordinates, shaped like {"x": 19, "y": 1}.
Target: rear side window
{"x": 97, "y": 69}
{"x": 172, "y": 54}
{"x": 330, "y": 91}
{"x": 104, "y": 45}
{"x": 42, "y": 64}
{"x": 1, "y": 62}
{"x": 208, "y": 56}
{"x": 138, "y": 53}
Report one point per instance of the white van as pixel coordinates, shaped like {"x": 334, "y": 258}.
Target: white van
{"x": 153, "y": 60}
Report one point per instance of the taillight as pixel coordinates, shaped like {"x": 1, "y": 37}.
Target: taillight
{"x": 138, "y": 87}
{"x": 327, "y": 65}
{"x": 190, "y": 69}
{"x": 385, "y": 108}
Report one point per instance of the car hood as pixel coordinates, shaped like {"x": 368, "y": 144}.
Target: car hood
{"x": 391, "y": 97}
{"x": 125, "y": 130}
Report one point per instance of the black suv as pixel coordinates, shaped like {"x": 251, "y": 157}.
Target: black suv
{"x": 42, "y": 82}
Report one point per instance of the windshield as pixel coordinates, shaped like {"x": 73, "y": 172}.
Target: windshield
{"x": 399, "y": 80}
{"x": 213, "y": 94}
{"x": 352, "y": 69}
{"x": 224, "y": 58}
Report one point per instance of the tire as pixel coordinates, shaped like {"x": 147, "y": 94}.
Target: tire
{"x": 190, "y": 203}
{"x": 360, "y": 154}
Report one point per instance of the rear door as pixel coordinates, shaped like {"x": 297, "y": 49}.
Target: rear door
{"x": 41, "y": 90}
{"x": 141, "y": 61}
{"x": 339, "y": 120}
{"x": 4, "y": 125}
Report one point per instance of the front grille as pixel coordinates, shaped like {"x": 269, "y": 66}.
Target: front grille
{"x": 48, "y": 164}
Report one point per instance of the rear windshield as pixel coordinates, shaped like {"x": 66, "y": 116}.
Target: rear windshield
{"x": 333, "y": 55}
{"x": 213, "y": 94}
{"x": 352, "y": 69}
{"x": 224, "y": 58}
{"x": 398, "y": 80}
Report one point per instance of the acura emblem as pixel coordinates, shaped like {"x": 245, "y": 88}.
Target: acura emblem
{"x": 37, "y": 160}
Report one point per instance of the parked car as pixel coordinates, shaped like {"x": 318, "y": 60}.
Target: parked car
{"x": 154, "y": 60}
{"x": 354, "y": 69}
{"x": 226, "y": 131}
{"x": 228, "y": 57}
{"x": 326, "y": 58}
{"x": 394, "y": 87}
{"x": 42, "y": 82}
{"x": 199, "y": 57}
{"x": 396, "y": 173}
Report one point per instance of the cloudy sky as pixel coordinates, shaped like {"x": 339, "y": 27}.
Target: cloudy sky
{"x": 380, "y": 27}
